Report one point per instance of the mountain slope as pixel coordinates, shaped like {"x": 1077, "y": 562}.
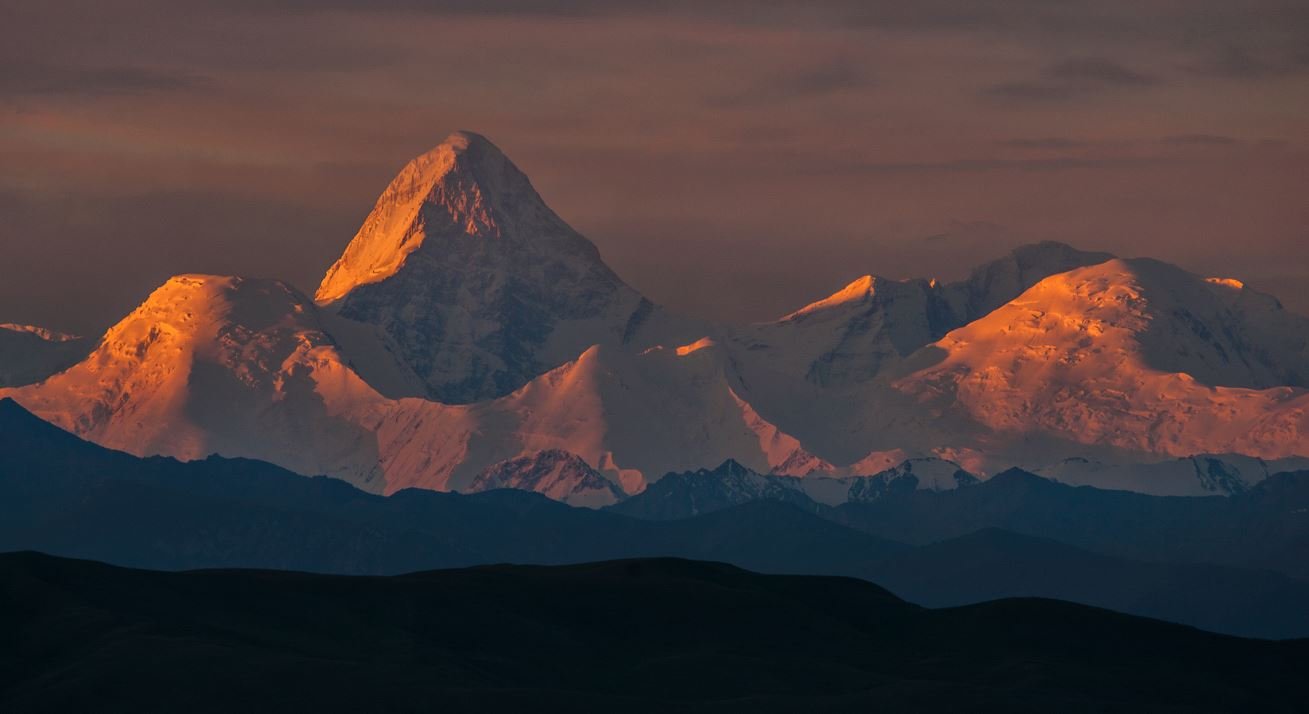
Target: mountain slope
{"x": 553, "y": 473}
{"x": 477, "y": 283}
{"x": 213, "y": 364}
{"x": 815, "y": 372}
{"x": 632, "y": 417}
{"x": 635, "y": 635}
{"x": 30, "y": 354}
{"x": 216, "y": 364}
{"x": 854, "y": 334}
{"x": 1134, "y": 355}
{"x": 239, "y": 367}
{"x": 466, "y": 325}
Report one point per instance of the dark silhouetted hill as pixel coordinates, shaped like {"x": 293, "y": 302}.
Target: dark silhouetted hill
{"x": 635, "y": 635}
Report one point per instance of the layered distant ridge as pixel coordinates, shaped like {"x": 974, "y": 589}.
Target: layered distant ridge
{"x": 29, "y": 353}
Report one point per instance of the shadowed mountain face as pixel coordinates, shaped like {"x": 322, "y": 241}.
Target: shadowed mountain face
{"x": 631, "y": 635}
{"x": 29, "y": 354}
{"x": 65, "y": 496}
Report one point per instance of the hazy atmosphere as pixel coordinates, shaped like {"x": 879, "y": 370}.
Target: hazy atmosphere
{"x": 731, "y": 163}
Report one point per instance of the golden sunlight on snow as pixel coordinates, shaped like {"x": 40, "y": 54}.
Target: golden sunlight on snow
{"x": 696, "y": 346}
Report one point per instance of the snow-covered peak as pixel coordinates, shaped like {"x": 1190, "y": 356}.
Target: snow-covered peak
{"x": 873, "y": 323}
{"x": 194, "y": 301}
{"x": 1135, "y": 355}
{"x": 190, "y": 316}
{"x": 462, "y": 141}
{"x": 993, "y": 284}
{"x": 1168, "y": 320}
{"x": 43, "y": 333}
{"x": 465, "y": 184}
{"x": 478, "y": 286}
{"x": 198, "y": 368}
{"x": 729, "y": 468}
{"x": 555, "y": 473}
{"x": 858, "y": 291}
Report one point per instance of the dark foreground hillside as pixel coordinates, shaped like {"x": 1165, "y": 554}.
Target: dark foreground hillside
{"x": 636, "y": 635}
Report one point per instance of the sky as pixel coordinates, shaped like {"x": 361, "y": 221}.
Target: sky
{"x": 731, "y": 160}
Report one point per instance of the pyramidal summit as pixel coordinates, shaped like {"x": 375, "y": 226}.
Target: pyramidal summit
{"x": 469, "y": 339}
{"x": 475, "y": 282}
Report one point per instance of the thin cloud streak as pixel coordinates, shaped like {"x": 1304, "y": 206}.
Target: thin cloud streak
{"x": 1072, "y": 79}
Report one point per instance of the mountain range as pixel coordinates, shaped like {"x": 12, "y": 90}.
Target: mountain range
{"x": 468, "y": 339}
{"x": 1226, "y": 564}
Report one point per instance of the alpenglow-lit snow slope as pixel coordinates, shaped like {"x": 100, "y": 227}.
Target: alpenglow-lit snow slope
{"x": 215, "y": 364}
{"x": 1134, "y": 354}
{"x": 469, "y": 339}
